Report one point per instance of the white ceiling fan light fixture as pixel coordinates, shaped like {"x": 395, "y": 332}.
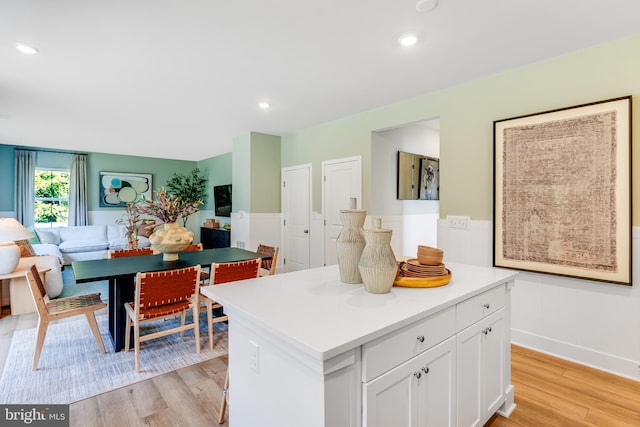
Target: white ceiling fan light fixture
{"x": 426, "y": 5}
{"x": 26, "y": 49}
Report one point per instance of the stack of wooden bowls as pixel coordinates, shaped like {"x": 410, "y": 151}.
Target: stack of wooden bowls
{"x": 427, "y": 264}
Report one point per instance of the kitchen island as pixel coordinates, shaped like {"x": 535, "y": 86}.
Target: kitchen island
{"x": 307, "y": 349}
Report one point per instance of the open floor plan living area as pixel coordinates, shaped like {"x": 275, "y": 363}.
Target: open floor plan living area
{"x": 320, "y": 214}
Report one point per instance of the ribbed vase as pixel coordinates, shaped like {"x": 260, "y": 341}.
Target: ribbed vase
{"x": 378, "y": 265}
{"x": 350, "y": 244}
{"x": 170, "y": 240}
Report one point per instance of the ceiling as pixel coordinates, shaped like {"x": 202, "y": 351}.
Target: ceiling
{"x": 180, "y": 79}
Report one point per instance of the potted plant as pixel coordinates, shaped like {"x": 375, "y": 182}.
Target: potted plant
{"x": 167, "y": 209}
{"x": 130, "y": 221}
{"x": 190, "y": 189}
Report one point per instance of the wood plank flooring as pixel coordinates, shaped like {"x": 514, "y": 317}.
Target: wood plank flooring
{"x": 554, "y": 392}
{"x": 548, "y": 392}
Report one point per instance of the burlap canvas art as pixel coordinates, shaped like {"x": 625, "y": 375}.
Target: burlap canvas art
{"x": 562, "y": 192}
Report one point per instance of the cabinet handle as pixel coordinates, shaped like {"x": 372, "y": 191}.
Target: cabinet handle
{"x": 487, "y": 306}
{"x": 425, "y": 369}
{"x": 485, "y": 331}
{"x": 420, "y": 338}
{"x": 489, "y": 329}
{"x": 417, "y": 374}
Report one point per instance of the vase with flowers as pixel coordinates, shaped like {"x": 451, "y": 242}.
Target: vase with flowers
{"x": 130, "y": 221}
{"x": 167, "y": 209}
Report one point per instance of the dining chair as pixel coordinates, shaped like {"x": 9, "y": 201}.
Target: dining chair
{"x": 121, "y": 253}
{"x": 226, "y": 272}
{"x": 60, "y": 308}
{"x": 268, "y": 263}
{"x": 204, "y": 271}
{"x": 161, "y": 295}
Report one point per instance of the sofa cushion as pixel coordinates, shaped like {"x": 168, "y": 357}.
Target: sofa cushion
{"x": 44, "y": 249}
{"x": 50, "y": 236}
{"x": 85, "y": 232}
{"x": 123, "y": 243}
{"x": 35, "y": 239}
{"x": 83, "y": 245}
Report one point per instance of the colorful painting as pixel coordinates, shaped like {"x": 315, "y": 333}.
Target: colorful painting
{"x": 117, "y": 188}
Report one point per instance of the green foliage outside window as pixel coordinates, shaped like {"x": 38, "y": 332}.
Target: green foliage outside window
{"x": 52, "y": 197}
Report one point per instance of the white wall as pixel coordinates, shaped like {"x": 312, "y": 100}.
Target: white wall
{"x": 248, "y": 230}
{"x": 592, "y": 323}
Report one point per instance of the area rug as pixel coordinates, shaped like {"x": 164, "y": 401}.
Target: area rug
{"x": 72, "y": 368}
{"x": 71, "y": 288}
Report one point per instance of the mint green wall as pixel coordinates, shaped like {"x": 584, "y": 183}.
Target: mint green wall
{"x": 466, "y": 115}
{"x": 161, "y": 170}
{"x": 7, "y": 197}
{"x": 265, "y": 173}
{"x": 218, "y": 172}
{"x": 256, "y": 173}
{"x": 241, "y": 173}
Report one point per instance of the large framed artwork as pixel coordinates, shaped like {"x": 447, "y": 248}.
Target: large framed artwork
{"x": 117, "y": 188}
{"x": 562, "y": 192}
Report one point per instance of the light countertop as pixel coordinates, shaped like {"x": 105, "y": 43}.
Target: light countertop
{"x": 315, "y": 312}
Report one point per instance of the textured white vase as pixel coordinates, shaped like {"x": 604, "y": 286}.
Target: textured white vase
{"x": 350, "y": 244}
{"x": 378, "y": 265}
{"x": 170, "y": 240}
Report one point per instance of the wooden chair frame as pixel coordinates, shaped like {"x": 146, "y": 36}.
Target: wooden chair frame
{"x": 49, "y": 310}
{"x": 162, "y": 295}
{"x": 268, "y": 265}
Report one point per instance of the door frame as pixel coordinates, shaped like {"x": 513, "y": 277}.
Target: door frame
{"x": 283, "y": 171}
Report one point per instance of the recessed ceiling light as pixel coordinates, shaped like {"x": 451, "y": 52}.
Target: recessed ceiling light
{"x": 29, "y": 50}
{"x": 408, "y": 39}
{"x": 426, "y": 5}
{"x": 264, "y": 105}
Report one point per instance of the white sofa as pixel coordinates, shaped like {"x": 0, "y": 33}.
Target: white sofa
{"x": 83, "y": 242}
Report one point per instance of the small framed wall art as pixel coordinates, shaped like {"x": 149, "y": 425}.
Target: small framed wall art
{"x": 117, "y": 188}
{"x": 562, "y": 192}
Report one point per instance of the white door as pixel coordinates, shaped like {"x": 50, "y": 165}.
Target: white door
{"x": 342, "y": 180}
{"x": 296, "y": 212}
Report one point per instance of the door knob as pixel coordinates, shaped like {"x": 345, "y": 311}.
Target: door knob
{"x": 306, "y": 232}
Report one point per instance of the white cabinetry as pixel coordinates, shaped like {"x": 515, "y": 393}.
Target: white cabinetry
{"x": 419, "y": 392}
{"x": 481, "y": 355}
{"x": 332, "y": 355}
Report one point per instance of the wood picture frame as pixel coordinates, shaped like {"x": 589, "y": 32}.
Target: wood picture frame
{"x": 562, "y": 192}
{"x": 118, "y": 188}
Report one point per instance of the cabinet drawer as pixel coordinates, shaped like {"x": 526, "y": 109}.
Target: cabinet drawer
{"x": 470, "y": 311}
{"x": 387, "y": 352}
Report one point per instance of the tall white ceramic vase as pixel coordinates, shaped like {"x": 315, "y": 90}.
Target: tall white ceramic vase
{"x": 378, "y": 265}
{"x": 350, "y": 244}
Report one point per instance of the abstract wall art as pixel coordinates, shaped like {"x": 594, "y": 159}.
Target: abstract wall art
{"x": 117, "y": 188}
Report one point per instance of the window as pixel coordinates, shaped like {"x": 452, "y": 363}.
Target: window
{"x": 52, "y": 198}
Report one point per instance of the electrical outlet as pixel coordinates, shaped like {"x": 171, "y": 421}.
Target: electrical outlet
{"x": 254, "y": 357}
{"x": 461, "y": 222}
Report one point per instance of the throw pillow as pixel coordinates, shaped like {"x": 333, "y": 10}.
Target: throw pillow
{"x": 35, "y": 239}
{"x": 26, "y": 250}
{"x": 50, "y": 237}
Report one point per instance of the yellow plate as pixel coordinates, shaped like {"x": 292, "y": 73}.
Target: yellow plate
{"x": 420, "y": 282}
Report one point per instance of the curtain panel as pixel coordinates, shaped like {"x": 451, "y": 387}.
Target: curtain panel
{"x": 78, "y": 209}
{"x": 25, "y": 165}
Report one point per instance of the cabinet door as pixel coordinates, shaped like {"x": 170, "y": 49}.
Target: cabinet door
{"x": 480, "y": 370}
{"x": 419, "y": 392}
{"x": 436, "y": 387}
{"x": 493, "y": 363}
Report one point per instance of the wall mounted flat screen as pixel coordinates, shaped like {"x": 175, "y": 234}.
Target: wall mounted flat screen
{"x": 222, "y": 199}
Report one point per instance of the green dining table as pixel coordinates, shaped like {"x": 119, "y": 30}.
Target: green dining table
{"x": 121, "y": 274}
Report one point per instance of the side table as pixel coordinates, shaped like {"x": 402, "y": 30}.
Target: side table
{"x": 20, "y": 296}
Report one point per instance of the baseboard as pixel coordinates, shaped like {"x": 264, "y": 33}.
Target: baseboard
{"x": 584, "y": 356}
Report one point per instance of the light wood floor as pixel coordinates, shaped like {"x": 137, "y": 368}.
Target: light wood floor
{"x": 548, "y": 392}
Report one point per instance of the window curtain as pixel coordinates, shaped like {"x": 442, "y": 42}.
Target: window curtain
{"x": 25, "y": 166}
{"x": 78, "y": 210}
